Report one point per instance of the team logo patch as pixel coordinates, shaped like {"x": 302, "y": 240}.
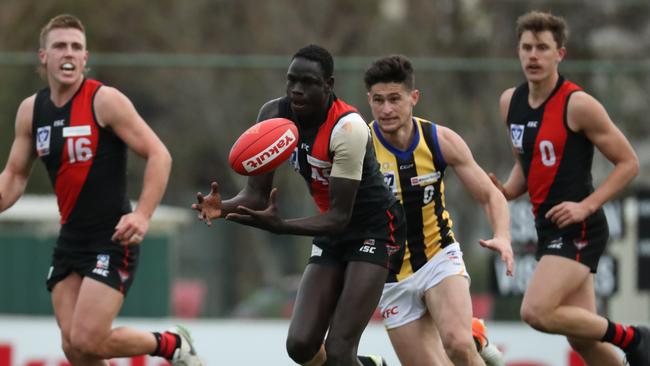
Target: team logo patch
{"x": 392, "y": 248}
{"x": 43, "y": 136}
{"x": 101, "y": 267}
{"x": 455, "y": 257}
{"x": 124, "y": 275}
{"x": 390, "y": 181}
{"x": 517, "y": 136}
{"x": 102, "y": 261}
{"x": 293, "y": 160}
{"x": 369, "y": 242}
{"x": 580, "y": 244}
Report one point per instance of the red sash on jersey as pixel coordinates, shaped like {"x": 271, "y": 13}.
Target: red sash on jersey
{"x": 551, "y": 139}
{"x": 321, "y": 157}
{"x": 78, "y": 151}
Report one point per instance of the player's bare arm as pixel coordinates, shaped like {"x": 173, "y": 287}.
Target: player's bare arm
{"x": 15, "y": 175}
{"x": 255, "y": 194}
{"x": 515, "y": 186}
{"x": 115, "y": 111}
{"x": 344, "y": 181}
{"x": 342, "y": 195}
{"x": 585, "y": 114}
{"x": 458, "y": 156}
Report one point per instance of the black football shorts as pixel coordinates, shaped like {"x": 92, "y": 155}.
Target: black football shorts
{"x": 99, "y": 258}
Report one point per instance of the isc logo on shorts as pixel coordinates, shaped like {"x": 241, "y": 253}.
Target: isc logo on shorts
{"x": 367, "y": 249}
{"x": 101, "y": 272}
{"x": 368, "y": 246}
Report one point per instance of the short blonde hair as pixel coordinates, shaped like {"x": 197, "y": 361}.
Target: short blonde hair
{"x": 60, "y": 21}
{"x": 537, "y": 21}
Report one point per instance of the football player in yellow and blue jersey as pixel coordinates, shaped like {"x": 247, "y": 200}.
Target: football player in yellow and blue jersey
{"x": 426, "y": 306}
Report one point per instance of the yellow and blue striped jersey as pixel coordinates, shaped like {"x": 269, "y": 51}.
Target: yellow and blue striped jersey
{"x": 415, "y": 176}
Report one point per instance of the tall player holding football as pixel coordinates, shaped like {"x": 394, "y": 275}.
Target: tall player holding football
{"x": 359, "y": 232}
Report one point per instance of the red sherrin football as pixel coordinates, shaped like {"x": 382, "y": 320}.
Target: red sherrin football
{"x": 264, "y": 146}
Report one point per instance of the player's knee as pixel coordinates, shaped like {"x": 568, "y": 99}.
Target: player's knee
{"x": 458, "y": 348}
{"x": 533, "y": 316}
{"x": 82, "y": 343}
{"x": 301, "y": 350}
{"x": 66, "y": 345}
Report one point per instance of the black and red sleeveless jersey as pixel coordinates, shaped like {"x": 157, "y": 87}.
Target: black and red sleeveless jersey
{"x": 556, "y": 161}
{"x": 86, "y": 163}
{"x": 313, "y": 160}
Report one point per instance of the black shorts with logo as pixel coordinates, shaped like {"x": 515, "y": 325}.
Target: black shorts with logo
{"x": 98, "y": 258}
{"x": 381, "y": 242}
{"x": 583, "y": 242}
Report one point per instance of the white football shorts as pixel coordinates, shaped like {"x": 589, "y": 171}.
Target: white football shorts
{"x": 403, "y": 302}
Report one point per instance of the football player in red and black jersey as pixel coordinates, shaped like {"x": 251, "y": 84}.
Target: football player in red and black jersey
{"x": 359, "y": 232}
{"x": 554, "y": 126}
{"x": 81, "y": 130}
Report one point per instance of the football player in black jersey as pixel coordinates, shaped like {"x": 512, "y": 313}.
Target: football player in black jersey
{"x": 554, "y": 127}
{"x": 81, "y": 130}
{"x": 359, "y": 231}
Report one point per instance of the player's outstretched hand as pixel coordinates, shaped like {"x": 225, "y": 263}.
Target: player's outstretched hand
{"x": 504, "y": 248}
{"x": 209, "y": 207}
{"x": 266, "y": 219}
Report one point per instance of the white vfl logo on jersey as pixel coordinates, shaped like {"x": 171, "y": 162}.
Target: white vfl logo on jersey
{"x": 517, "y": 136}
{"x": 43, "y": 135}
{"x": 272, "y": 152}
{"x": 390, "y": 181}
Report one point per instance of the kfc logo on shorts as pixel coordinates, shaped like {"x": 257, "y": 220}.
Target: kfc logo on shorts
{"x": 390, "y": 312}
{"x": 517, "y": 136}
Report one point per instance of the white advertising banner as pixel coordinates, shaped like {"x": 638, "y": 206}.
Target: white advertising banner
{"x": 31, "y": 341}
